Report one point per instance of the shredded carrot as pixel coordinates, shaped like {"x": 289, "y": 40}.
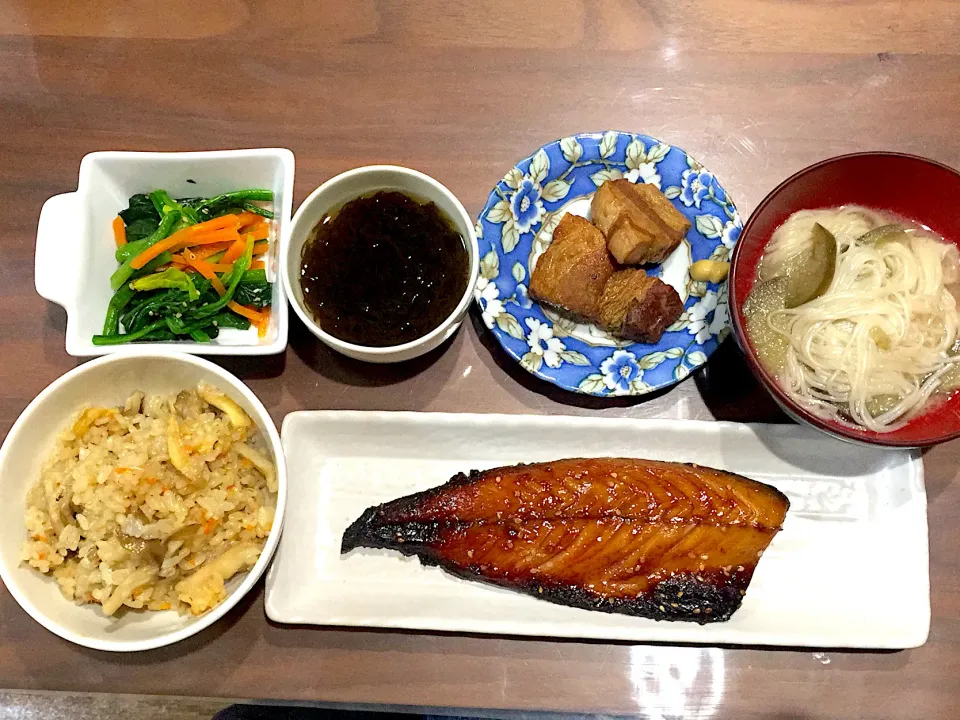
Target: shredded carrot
{"x": 204, "y": 251}
{"x": 260, "y": 232}
{"x": 248, "y": 218}
{"x": 216, "y": 282}
{"x": 120, "y": 231}
{"x": 208, "y": 526}
{"x": 212, "y": 231}
{"x": 151, "y": 480}
{"x": 205, "y": 269}
{"x": 255, "y": 225}
{"x": 252, "y": 315}
{"x": 41, "y": 556}
{"x": 222, "y": 268}
{"x": 216, "y": 236}
{"x": 234, "y": 251}
{"x": 151, "y": 252}
{"x": 264, "y": 323}
{"x": 260, "y": 248}
{"x": 224, "y": 221}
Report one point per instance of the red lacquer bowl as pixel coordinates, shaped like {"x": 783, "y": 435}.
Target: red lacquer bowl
{"x": 909, "y": 186}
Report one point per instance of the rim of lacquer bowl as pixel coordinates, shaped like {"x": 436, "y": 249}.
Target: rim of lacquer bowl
{"x": 865, "y": 437}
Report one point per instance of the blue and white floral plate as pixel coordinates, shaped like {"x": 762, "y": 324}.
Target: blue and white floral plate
{"x": 516, "y": 227}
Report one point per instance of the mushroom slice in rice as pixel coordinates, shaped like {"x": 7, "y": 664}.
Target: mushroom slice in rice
{"x": 261, "y": 462}
{"x": 205, "y": 588}
{"x": 124, "y": 591}
{"x": 238, "y": 418}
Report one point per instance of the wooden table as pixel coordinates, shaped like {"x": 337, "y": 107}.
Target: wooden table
{"x": 756, "y": 89}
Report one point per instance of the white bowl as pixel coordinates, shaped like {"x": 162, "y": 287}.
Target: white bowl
{"x": 75, "y": 246}
{"x": 109, "y": 381}
{"x": 348, "y": 186}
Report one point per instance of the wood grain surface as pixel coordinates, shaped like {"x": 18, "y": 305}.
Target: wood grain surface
{"x": 756, "y": 89}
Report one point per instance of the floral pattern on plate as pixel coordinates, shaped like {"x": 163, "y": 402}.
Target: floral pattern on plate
{"x": 516, "y": 227}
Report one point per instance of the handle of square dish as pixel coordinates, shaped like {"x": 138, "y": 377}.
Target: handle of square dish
{"x": 58, "y": 248}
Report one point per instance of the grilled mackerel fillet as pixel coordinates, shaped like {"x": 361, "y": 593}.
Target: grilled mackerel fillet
{"x": 655, "y": 539}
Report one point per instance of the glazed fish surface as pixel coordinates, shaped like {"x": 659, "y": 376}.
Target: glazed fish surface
{"x": 640, "y": 537}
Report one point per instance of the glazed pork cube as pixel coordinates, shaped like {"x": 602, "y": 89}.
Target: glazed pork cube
{"x": 637, "y": 307}
{"x": 640, "y": 224}
{"x": 573, "y": 271}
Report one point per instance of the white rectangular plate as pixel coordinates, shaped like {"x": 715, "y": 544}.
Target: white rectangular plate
{"x": 849, "y": 569}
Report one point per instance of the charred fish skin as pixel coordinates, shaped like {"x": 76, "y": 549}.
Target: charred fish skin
{"x": 645, "y": 538}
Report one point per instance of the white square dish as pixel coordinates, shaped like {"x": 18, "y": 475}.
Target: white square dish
{"x": 75, "y": 246}
{"x": 823, "y": 582}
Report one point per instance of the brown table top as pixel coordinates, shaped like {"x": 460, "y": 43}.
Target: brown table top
{"x": 756, "y": 89}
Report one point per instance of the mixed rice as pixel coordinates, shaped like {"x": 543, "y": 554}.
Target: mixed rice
{"x": 153, "y": 505}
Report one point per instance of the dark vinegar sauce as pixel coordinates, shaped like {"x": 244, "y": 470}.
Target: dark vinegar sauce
{"x": 383, "y": 270}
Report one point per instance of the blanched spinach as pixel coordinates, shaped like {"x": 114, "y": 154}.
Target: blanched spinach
{"x": 254, "y": 290}
{"x": 140, "y": 207}
{"x": 153, "y": 303}
{"x": 140, "y": 229}
{"x": 209, "y": 208}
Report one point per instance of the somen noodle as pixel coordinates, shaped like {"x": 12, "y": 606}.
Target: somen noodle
{"x": 882, "y": 339}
